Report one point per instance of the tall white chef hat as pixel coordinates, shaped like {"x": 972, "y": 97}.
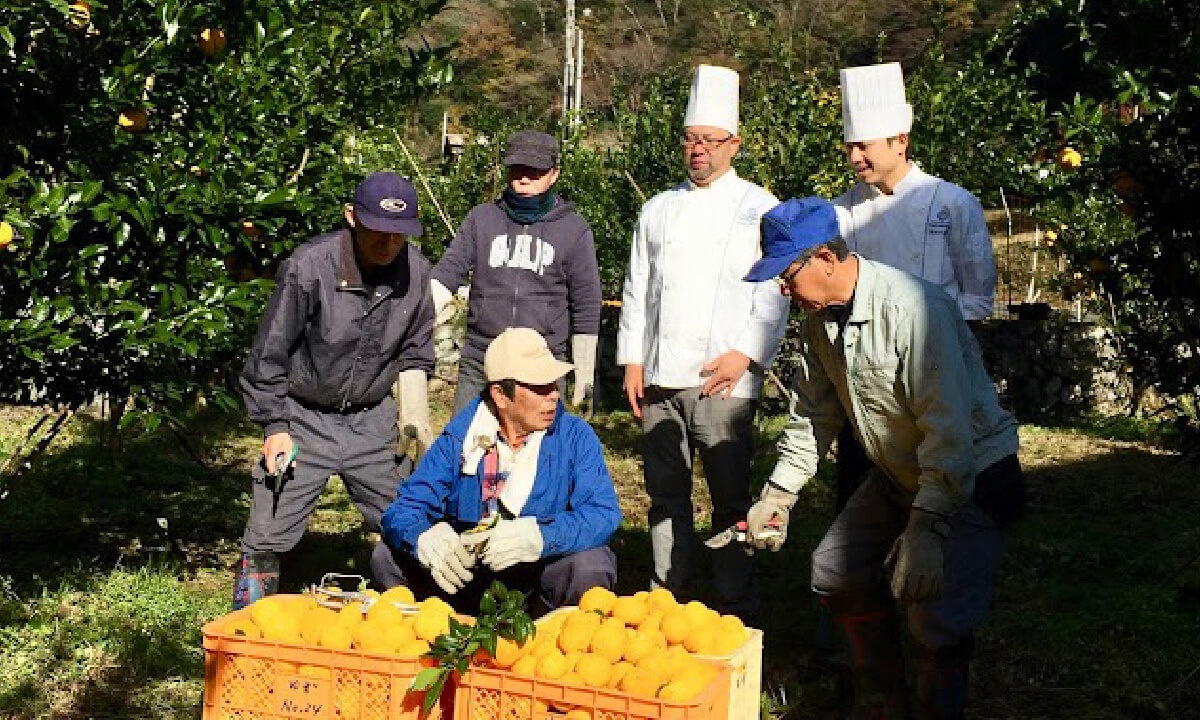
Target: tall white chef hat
{"x": 873, "y": 103}
{"x": 714, "y": 98}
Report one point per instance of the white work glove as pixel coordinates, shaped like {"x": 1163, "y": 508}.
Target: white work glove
{"x": 917, "y": 557}
{"x": 441, "y": 551}
{"x": 512, "y": 542}
{"x": 443, "y": 302}
{"x": 773, "y": 502}
{"x": 412, "y": 402}
{"x": 583, "y": 355}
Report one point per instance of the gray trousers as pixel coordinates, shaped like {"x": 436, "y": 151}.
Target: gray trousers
{"x": 471, "y": 381}
{"x": 359, "y": 446}
{"x": 848, "y": 564}
{"x": 549, "y": 583}
{"x": 676, "y": 423}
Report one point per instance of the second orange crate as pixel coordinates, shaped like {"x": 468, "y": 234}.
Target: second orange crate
{"x": 491, "y": 694}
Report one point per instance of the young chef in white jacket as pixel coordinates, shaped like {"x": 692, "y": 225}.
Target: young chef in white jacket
{"x": 901, "y": 216}
{"x": 696, "y": 341}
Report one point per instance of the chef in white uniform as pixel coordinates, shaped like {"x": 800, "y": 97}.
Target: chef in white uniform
{"x": 696, "y": 341}
{"x": 896, "y": 213}
{"x": 901, "y": 216}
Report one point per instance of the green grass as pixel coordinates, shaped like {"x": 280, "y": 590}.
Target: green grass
{"x": 1096, "y": 614}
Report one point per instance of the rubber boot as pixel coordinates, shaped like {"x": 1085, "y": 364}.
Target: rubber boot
{"x": 876, "y": 665}
{"x": 257, "y": 577}
{"x": 942, "y": 679}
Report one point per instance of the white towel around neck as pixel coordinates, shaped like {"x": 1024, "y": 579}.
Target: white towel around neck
{"x": 522, "y": 464}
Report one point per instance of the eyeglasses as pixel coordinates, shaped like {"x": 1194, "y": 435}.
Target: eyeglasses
{"x": 709, "y": 143}
{"x": 786, "y": 278}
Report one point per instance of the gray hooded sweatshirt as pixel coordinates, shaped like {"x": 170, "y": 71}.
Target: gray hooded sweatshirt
{"x": 542, "y": 276}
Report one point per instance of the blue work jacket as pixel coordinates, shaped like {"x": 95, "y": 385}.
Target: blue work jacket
{"x": 572, "y": 497}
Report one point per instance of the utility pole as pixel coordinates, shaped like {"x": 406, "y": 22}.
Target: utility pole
{"x": 572, "y": 90}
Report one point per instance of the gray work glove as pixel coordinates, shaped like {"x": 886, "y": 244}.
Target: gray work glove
{"x": 773, "y": 502}
{"x": 583, "y": 356}
{"x": 412, "y": 401}
{"x": 917, "y": 557}
{"x": 444, "y": 307}
{"x": 442, "y": 552}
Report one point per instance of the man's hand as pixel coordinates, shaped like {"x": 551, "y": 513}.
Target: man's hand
{"x": 917, "y": 557}
{"x": 441, "y": 551}
{"x": 275, "y": 444}
{"x": 635, "y": 388}
{"x": 774, "y": 502}
{"x": 723, "y": 373}
{"x": 513, "y": 542}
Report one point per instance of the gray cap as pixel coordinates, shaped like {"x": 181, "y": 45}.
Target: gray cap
{"x": 532, "y": 149}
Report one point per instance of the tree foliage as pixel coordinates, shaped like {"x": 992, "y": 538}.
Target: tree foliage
{"x": 153, "y": 172}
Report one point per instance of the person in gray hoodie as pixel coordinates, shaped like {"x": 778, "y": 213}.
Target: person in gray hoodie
{"x": 533, "y": 264}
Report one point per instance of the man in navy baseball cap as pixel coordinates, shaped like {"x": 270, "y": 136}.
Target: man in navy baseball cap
{"x": 350, "y": 316}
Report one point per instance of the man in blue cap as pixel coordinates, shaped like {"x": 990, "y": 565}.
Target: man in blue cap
{"x": 350, "y": 314}
{"x": 923, "y": 534}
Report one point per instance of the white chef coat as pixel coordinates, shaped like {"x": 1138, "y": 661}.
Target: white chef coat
{"x": 685, "y": 302}
{"x": 929, "y": 228}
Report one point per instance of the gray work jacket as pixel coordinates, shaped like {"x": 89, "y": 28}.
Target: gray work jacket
{"x": 907, "y": 372}
{"x": 330, "y": 341}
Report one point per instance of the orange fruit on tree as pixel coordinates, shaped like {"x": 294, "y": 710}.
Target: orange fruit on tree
{"x": 6, "y": 234}
{"x": 79, "y": 15}
{"x": 211, "y": 42}
{"x": 133, "y": 120}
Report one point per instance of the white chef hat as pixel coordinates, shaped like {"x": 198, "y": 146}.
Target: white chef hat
{"x": 873, "y": 103}
{"x": 714, "y": 98}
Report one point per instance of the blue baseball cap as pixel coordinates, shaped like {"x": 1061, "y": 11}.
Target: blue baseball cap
{"x": 790, "y": 228}
{"x": 387, "y": 202}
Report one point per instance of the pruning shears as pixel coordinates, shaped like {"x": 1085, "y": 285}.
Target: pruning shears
{"x": 277, "y": 479}
{"x": 738, "y": 531}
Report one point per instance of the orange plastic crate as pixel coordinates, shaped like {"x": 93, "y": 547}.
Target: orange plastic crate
{"x": 491, "y": 694}
{"x": 255, "y": 679}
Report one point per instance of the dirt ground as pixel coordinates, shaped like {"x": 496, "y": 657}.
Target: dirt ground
{"x": 1097, "y": 606}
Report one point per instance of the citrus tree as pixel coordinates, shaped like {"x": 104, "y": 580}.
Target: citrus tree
{"x": 159, "y": 158}
{"x": 1123, "y": 109}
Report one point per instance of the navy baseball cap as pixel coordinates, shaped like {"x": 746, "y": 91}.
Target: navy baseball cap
{"x": 790, "y": 228}
{"x": 387, "y": 202}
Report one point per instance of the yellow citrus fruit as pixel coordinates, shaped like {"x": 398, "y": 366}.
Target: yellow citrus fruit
{"x": 594, "y": 669}
{"x": 80, "y": 14}
{"x": 579, "y": 714}
{"x": 696, "y": 611}
{"x": 571, "y": 677}
{"x": 630, "y": 610}
{"x": 653, "y": 621}
{"x": 589, "y": 620}
{"x": 399, "y": 594}
{"x": 731, "y": 635}
{"x": 133, "y": 120}
{"x": 508, "y": 652}
{"x": 211, "y": 42}
{"x": 552, "y": 665}
{"x": 1069, "y": 158}
{"x": 314, "y": 622}
{"x": 641, "y": 682}
{"x": 429, "y": 625}
{"x": 597, "y": 599}
{"x": 661, "y": 599}
{"x": 573, "y": 658}
{"x": 6, "y": 234}
{"x": 576, "y": 636}
{"x": 702, "y": 640}
{"x": 609, "y": 642}
{"x": 676, "y": 625}
{"x": 337, "y": 637}
{"x": 385, "y": 613}
{"x": 241, "y": 625}
{"x": 618, "y": 673}
{"x": 526, "y": 666}
{"x": 375, "y": 637}
{"x": 351, "y": 614}
{"x": 681, "y": 690}
{"x": 640, "y": 645}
